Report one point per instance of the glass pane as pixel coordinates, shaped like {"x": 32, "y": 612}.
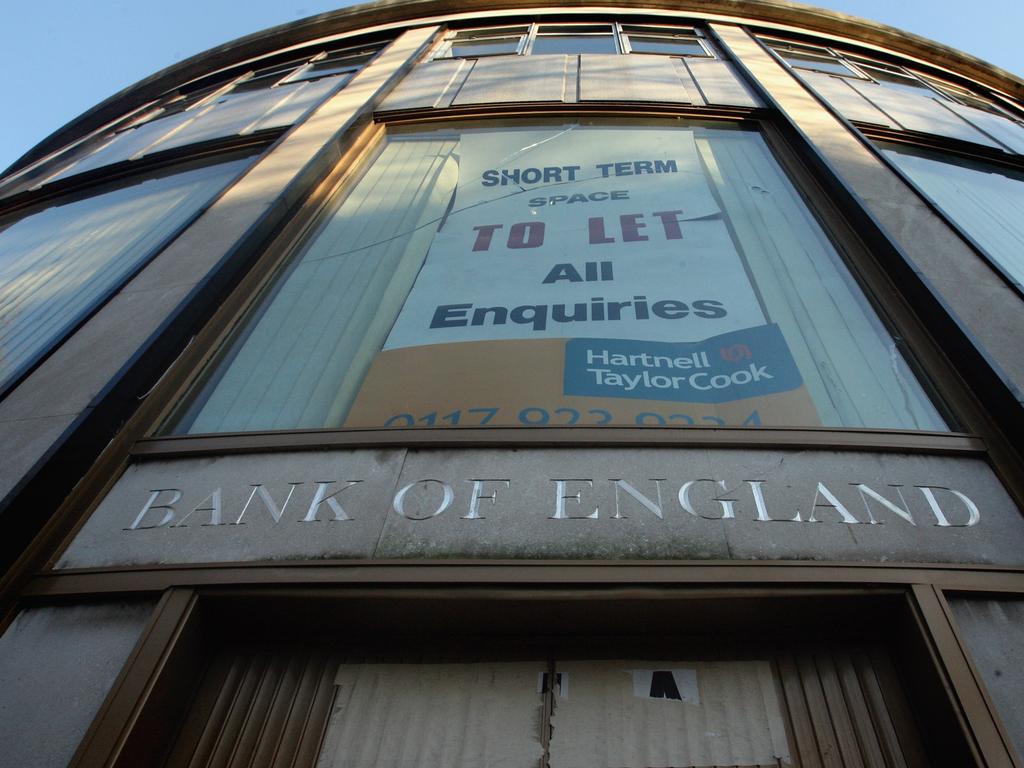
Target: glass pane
{"x": 985, "y": 201}
{"x": 652, "y": 274}
{"x": 675, "y": 46}
{"x": 633, "y": 29}
{"x": 486, "y": 47}
{"x": 971, "y": 100}
{"x": 347, "y": 63}
{"x": 900, "y": 82}
{"x": 574, "y": 29}
{"x": 473, "y": 34}
{"x": 573, "y": 44}
{"x": 259, "y": 82}
{"x": 57, "y": 262}
{"x": 817, "y": 63}
{"x": 267, "y": 76}
{"x": 428, "y": 715}
{"x": 335, "y": 304}
{"x": 964, "y": 96}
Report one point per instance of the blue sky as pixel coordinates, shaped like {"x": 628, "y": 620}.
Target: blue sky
{"x": 61, "y": 57}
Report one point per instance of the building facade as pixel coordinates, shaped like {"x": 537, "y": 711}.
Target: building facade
{"x": 590, "y": 385}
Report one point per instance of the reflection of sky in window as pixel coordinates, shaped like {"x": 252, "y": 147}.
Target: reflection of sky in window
{"x": 985, "y": 201}
{"x": 56, "y": 262}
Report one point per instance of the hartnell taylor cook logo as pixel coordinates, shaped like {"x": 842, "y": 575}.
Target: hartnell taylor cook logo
{"x": 486, "y": 500}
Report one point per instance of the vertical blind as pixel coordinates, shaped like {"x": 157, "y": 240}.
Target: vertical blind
{"x": 851, "y": 365}
{"x": 299, "y": 358}
{"x": 986, "y": 202}
{"x": 59, "y": 262}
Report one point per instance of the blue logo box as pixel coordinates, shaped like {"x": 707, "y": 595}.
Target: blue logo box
{"x": 753, "y": 362}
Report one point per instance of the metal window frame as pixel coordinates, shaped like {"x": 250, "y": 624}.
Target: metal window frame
{"x": 118, "y": 176}
{"x": 613, "y": 32}
{"x": 867, "y": 67}
{"x": 444, "y": 50}
{"x": 700, "y": 39}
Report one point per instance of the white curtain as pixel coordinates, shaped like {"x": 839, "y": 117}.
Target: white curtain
{"x": 849, "y": 361}
{"x": 298, "y": 361}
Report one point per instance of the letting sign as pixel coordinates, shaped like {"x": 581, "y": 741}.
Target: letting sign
{"x": 583, "y": 275}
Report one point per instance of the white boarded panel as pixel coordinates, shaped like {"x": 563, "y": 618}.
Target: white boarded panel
{"x": 1002, "y": 129}
{"x": 920, "y": 113}
{"x": 688, "y": 81}
{"x": 300, "y": 99}
{"x": 844, "y": 99}
{"x": 634, "y": 714}
{"x": 515, "y": 78}
{"x": 637, "y": 77}
{"x": 126, "y": 144}
{"x": 260, "y": 110}
{"x": 429, "y": 86}
{"x": 228, "y": 116}
{"x": 720, "y": 84}
{"x": 430, "y": 715}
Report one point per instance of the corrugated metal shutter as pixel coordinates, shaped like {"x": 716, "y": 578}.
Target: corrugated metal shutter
{"x": 847, "y": 709}
{"x": 258, "y": 708}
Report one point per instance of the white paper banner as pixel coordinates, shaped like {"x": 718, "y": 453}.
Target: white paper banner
{"x": 579, "y": 233}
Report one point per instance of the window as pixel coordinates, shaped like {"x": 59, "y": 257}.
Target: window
{"x": 572, "y": 39}
{"x": 818, "y": 58}
{"x": 60, "y": 259}
{"x": 653, "y": 274}
{"x": 968, "y": 98}
{"x": 894, "y": 78}
{"x": 812, "y": 57}
{"x": 667, "y": 40}
{"x": 254, "y": 99}
{"x": 986, "y": 201}
{"x": 341, "y": 62}
{"x": 471, "y": 43}
{"x": 346, "y": 62}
